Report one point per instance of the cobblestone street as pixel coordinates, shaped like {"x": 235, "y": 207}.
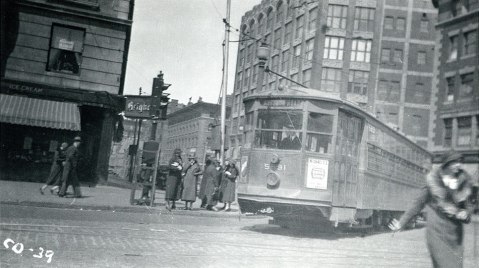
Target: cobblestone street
{"x": 83, "y": 239}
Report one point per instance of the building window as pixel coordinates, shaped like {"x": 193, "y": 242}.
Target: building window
{"x": 246, "y": 77}
{"x": 400, "y": 24}
{"x": 470, "y": 43}
{"x": 307, "y": 77}
{"x": 424, "y": 27}
{"x": 389, "y": 23}
{"x": 389, "y": 91}
{"x": 275, "y": 63}
{"x": 296, "y": 56}
{"x": 466, "y": 85}
{"x": 287, "y": 32}
{"x": 277, "y": 39}
{"x": 252, "y": 28}
{"x": 254, "y": 79}
{"x": 364, "y": 19}
{"x": 238, "y": 80}
{"x": 385, "y": 55}
{"x": 464, "y": 130}
{"x": 241, "y": 58}
{"x": 419, "y": 94}
{"x": 361, "y": 50}
{"x": 333, "y": 48}
{"x": 267, "y": 39}
{"x": 269, "y": 19}
{"x": 450, "y": 88}
{"x": 397, "y": 57}
{"x": 66, "y": 47}
{"x": 309, "y": 49}
{"x": 358, "y": 82}
{"x": 313, "y": 17}
{"x": 337, "y": 16}
{"x": 260, "y": 24}
{"x": 285, "y": 60}
{"x": 279, "y": 12}
{"x": 453, "y": 47}
{"x": 299, "y": 27}
{"x": 331, "y": 79}
{"x": 421, "y": 57}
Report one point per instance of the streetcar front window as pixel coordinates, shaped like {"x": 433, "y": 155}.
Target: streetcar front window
{"x": 319, "y": 133}
{"x": 279, "y": 129}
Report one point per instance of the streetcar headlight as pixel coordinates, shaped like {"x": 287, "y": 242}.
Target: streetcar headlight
{"x": 272, "y": 181}
{"x": 275, "y": 159}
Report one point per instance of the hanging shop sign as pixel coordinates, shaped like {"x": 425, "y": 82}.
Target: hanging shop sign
{"x": 139, "y": 107}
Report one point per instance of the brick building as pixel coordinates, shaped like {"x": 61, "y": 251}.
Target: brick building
{"x": 376, "y": 53}
{"x": 63, "y": 68}
{"x": 456, "y": 86}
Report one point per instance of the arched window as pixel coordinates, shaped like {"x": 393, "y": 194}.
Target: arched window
{"x": 279, "y": 12}
{"x": 261, "y": 23}
{"x": 252, "y": 31}
{"x": 269, "y": 19}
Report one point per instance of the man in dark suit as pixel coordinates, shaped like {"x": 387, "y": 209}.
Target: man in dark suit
{"x": 56, "y": 170}
{"x": 70, "y": 170}
{"x": 291, "y": 141}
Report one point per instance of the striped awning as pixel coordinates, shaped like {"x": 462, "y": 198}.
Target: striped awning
{"x": 37, "y": 112}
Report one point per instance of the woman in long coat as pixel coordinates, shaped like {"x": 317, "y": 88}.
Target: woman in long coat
{"x": 190, "y": 180}
{"x": 210, "y": 175}
{"x": 173, "y": 181}
{"x": 202, "y": 191}
{"x": 452, "y": 196}
{"x": 230, "y": 175}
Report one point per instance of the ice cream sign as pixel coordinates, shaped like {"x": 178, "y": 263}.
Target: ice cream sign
{"x": 66, "y": 44}
{"x": 317, "y": 173}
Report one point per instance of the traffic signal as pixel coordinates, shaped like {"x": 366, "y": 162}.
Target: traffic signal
{"x": 160, "y": 99}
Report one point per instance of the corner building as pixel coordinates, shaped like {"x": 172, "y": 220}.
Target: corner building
{"x": 455, "y": 124}
{"x": 63, "y": 71}
{"x": 378, "y": 54}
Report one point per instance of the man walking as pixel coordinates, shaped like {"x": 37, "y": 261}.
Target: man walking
{"x": 55, "y": 177}
{"x": 70, "y": 170}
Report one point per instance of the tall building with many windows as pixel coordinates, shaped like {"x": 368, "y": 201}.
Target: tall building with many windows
{"x": 455, "y": 124}
{"x": 376, "y": 53}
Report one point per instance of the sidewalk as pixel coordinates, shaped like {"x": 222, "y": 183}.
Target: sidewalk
{"x": 96, "y": 198}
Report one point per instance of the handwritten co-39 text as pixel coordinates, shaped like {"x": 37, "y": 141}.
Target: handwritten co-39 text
{"x": 18, "y": 248}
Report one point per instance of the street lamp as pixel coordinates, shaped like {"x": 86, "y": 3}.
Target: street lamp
{"x": 262, "y": 54}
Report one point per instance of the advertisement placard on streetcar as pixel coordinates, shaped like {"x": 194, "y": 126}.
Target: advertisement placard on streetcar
{"x": 317, "y": 173}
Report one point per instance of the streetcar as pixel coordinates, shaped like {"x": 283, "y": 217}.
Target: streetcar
{"x": 311, "y": 157}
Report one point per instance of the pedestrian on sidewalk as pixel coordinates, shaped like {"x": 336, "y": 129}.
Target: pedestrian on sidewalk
{"x": 452, "y": 196}
{"x": 201, "y": 192}
{"x": 211, "y": 176}
{"x": 70, "y": 176}
{"x": 56, "y": 171}
{"x": 190, "y": 181}
{"x": 230, "y": 176}
{"x": 173, "y": 181}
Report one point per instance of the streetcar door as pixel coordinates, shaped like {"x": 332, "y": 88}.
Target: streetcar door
{"x": 346, "y": 161}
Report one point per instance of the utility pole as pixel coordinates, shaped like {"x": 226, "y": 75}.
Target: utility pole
{"x": 225, "y": 80}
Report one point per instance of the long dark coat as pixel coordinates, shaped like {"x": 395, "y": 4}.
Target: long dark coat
{"x": 211, "y": 177}
{"x": 230, "y": 184}
{"x": 173, "y": 181}
{"x": 190, "y": 180}
{"x": 201, "y": 192}
{"x": 444, "y": 232}
{"x": 70, "y": 176}
{"x": 56, "y": 171}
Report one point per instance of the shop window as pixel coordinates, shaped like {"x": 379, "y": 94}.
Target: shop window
{"x": 337, "y": 16}
{"x": 358, "y": 82}
{"x": 453, "y": 47}
{"x": 421, "y": 57}
{"x": 450, "y": 88}
{"x": 466, "y": 85}
{"x": 313, "y": 17}
{"x": 299, "y": 27}
{"x": 464, "y": 131}
{"x": 364, "y": 19}
{"x": 66, "y": 47}
{"x": 331, "y": 79}
{"x": 470, "y": 43}
{"x": 448, "y": 132}
{"x": 333, "y": 48}
{"x": 361, "y": 50}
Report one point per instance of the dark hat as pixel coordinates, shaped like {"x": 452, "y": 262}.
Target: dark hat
{"x": 451, "y": 156}
{"x": 77, "y": 138}
{"x": 192, "y": 155}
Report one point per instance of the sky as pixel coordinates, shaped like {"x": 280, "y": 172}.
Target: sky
{"x": 183, "y": 38}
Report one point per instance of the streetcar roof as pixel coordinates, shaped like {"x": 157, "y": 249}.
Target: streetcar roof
{"x": 293, "y": 92}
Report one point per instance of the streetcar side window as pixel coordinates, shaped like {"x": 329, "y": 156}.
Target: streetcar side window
{"x": 279, "y": 129}
{"x": 319, "y": 133}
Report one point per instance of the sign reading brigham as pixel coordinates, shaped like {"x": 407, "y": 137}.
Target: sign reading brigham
{"x": 139, "y": 107}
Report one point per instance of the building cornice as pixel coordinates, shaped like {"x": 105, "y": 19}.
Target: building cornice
{"x": 74, "y": 12}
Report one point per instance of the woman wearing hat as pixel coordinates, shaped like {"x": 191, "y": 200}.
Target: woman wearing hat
{"x": 173, "y": 180}
{"x": 190, "y": 180}
{"x": 452, "y": 196}
{"x": 230, "y": 175}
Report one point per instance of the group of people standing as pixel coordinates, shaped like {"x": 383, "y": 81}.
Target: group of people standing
{"x": 218, "y": 182}
{"x": 64, "y": 170}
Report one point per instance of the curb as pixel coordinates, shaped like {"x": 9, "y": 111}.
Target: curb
{"x": 133, "y": 209}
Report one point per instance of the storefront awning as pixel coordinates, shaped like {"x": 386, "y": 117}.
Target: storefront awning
{"x": 37, "y": 112}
